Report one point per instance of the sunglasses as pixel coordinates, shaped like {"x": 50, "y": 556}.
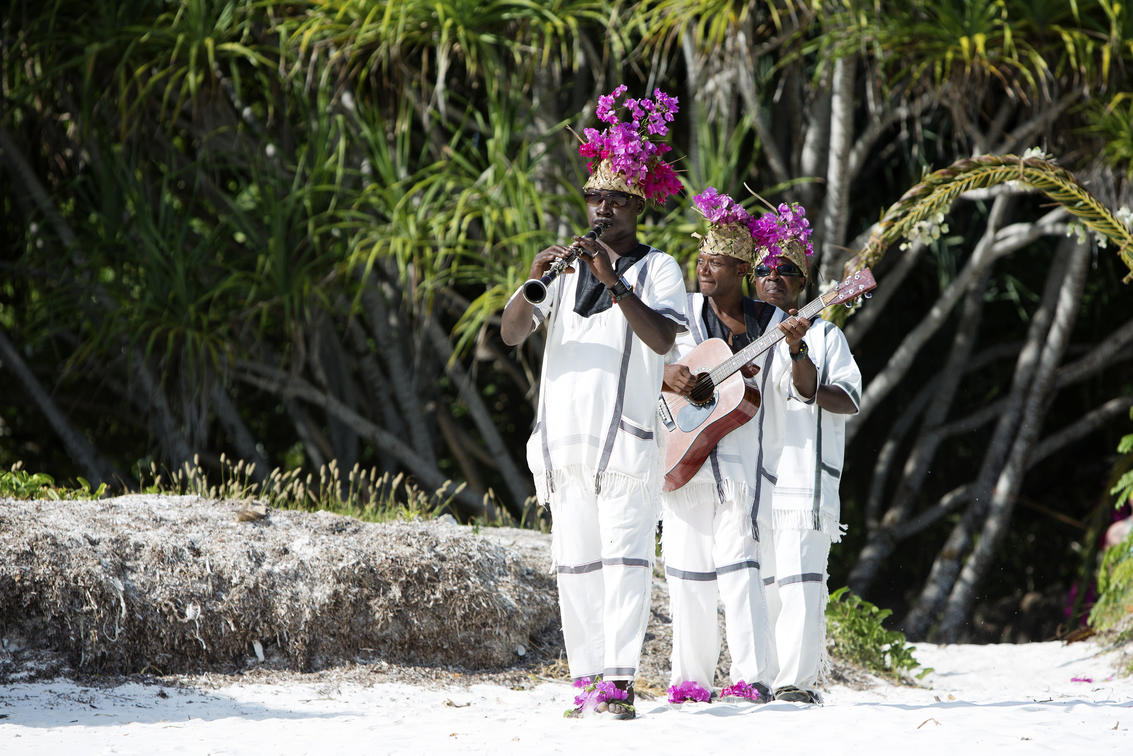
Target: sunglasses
{"x": 617, "y": 199}
{"x": 783, "y": 269}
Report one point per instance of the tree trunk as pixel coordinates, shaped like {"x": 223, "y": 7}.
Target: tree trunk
{"x": 95, "y": 469}
{"x": 330, "y": 367}
{"x": 946, "y": 567}
{"x": 390, "y": 332}
{"x": 1002, "y": 503}
{"x": 287, "y": 386}
{"x": 835, "y": 211}
{"x": 987, "y": 251}
{"x": 919, "y": 458}
{"x": 234, "y": 426}
{"x": 519, "y": 486}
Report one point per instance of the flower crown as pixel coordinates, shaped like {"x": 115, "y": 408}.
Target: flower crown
{"x": 625, "y": 155}
{"x": 784, "y": 233}
{"x": 731, "y": 228}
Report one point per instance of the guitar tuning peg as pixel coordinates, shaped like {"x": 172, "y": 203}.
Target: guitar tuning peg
{"x": 868, "y": 295}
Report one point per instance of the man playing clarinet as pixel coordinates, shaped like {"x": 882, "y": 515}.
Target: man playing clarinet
{"x": 594, "y": 451}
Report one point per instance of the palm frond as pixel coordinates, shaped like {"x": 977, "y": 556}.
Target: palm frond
{"x": 936, "y": 193}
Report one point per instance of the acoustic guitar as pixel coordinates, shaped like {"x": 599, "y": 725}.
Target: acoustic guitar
{"x": 720, "y": 401}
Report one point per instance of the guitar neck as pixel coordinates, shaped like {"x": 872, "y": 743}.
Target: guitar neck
{"x": 761, "y": 345}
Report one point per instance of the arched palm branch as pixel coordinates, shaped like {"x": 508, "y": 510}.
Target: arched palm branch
{"x": 940, "y": 189}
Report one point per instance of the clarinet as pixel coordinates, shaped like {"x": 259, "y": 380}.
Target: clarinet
{"x": 535, "y": 289}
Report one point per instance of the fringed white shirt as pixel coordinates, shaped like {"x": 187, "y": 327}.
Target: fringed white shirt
{"x": 741, "y": 468}
{"x": 810, "y": 466}
{"x": 599, "y": 385}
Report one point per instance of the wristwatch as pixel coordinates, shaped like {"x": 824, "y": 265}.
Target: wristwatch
{"x": 619, "y": 290}
{"x": 799, "y": 354}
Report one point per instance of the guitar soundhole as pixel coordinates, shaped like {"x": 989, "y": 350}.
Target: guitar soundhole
{"x": 703, "y": 391}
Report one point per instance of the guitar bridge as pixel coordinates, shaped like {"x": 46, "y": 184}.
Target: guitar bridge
{"x": 665, "y": 414}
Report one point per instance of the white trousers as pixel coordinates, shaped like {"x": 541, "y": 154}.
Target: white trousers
{"x": 795, "y": 571}
{"x": 710, "y": 555}
{"x": 603, "y": 548}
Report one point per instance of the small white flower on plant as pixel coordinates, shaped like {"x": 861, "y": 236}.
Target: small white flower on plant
{"x": 1079, "y": 230}
{"x": 926, "y": 231}
{"x": 1125, "y": 215}
{"x": 1083, "y": 234}
{"x": 1036, "y": 152}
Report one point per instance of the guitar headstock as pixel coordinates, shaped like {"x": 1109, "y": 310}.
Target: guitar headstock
{"x": 852, "y": 286}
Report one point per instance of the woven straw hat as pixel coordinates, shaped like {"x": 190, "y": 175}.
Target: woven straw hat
{"x": 605, "y": 177}
{"x": 791, "y": 250}
{"x": 731, "y": 239}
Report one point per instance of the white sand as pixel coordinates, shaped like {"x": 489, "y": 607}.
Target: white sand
{"x": 995, "y": 699}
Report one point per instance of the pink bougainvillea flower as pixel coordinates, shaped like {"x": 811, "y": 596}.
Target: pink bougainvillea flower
{"x": 631, "y": 145}
{"x": 688, "y": 691}
{"x": 741, "y": 690}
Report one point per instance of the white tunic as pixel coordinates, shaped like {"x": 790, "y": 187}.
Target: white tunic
{"x": 598, "y": 388}
{"x": 742, "y": 466}
{"x": 810, "y": 465}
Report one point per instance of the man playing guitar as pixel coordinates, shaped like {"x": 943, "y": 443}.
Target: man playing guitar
{"x": 710, "y": 538}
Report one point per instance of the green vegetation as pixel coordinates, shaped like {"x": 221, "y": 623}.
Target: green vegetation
{"x": 18, "y": 483}
{"x": 854, "y": 633}
{"x": 363, "y": 494}
{"x": 1113, "y": 610}
{"x": 283, "y": 230}
{"x": 1114, "y": 606}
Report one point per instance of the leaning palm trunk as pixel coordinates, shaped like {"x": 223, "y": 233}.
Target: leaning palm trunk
{"x": 152, "y": 401}
{"x": 1002, "y": 504}
{"x": 80, "y": 449}
{"x": 947, "y": 564}
{"x": 990, "y": 248}
{"x": 936, "y": 401}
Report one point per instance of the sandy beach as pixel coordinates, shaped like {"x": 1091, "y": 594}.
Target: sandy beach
{"x": 1030, "y": 698}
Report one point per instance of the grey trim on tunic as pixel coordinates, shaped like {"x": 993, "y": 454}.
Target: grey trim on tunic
{"x": 855, "y": 396}
{"x": 619, "y": 401}
{"x": 582, "y": 569}
{"x": 634, "y": 430}
{"x": 578, "y": 569}
{"x": 619, "y": 671}
{"x": 673, "y": 572}
{"x": 759, "y": 458}
{"x": 806, "y": 577}
{"x": 816, "y": 505}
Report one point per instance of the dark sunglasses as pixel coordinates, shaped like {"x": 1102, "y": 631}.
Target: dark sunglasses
{"x": 783, "y": 269}
{"x": 617, "y": 199}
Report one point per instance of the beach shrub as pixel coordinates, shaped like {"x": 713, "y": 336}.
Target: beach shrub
{"x": 855, "y": 633}
{"x": 1115, "y": 591}
{"x": 1113, "y": 610}
{"x": 18, "y": 483}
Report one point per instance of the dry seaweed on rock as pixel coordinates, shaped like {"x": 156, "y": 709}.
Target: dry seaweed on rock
{"x": 182, "y": 584}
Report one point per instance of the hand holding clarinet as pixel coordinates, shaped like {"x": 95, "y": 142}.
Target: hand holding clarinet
{"x": 558, "y": 259}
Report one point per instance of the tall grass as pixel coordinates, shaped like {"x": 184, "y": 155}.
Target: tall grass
{"x": 361, "y": 493}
